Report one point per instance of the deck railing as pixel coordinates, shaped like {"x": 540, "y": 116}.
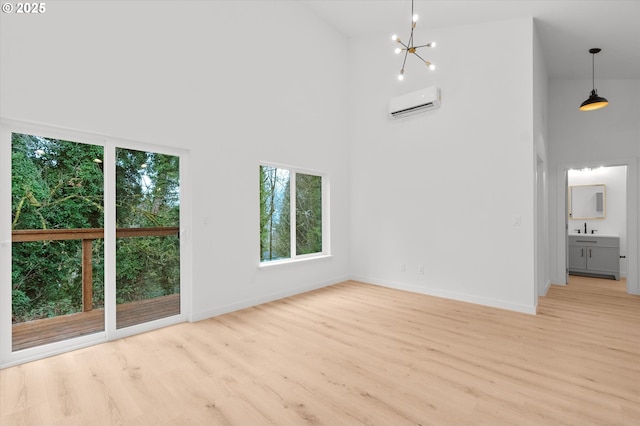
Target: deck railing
{"x": 87, "y": 236}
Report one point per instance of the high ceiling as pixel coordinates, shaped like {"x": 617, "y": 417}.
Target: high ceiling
{"x": 566, "y": 28}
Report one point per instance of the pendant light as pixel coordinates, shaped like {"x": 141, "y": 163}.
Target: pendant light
{"x": 594, "y": 102}
{"x": 410, "y": 47}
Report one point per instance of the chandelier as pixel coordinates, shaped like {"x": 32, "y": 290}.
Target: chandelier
{"x": 410, "y": 47}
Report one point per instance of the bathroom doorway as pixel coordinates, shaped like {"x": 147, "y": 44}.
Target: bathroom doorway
{"x": 608, "y": 193}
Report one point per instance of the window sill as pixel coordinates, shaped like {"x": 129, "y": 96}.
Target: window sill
{"x": 300, "y": 259}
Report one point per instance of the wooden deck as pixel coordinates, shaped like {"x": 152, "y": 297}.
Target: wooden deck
{"x": 39, "y": 332}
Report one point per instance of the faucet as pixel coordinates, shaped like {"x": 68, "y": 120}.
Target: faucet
{"x": 585, "y": 227}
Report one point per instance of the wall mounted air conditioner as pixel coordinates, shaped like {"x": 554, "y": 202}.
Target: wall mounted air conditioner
{"x": 414, "y": 102}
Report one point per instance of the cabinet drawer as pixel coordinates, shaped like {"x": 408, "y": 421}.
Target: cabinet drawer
{"x": 593, "y": 240}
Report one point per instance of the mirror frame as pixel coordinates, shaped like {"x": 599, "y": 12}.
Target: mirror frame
{"x": 604, "y": 203}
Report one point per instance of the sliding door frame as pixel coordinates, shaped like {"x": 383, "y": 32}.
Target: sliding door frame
{"x": 8, "y": 357}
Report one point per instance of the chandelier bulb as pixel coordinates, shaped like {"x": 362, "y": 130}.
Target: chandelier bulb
{"x": 401, "y": 75}
{"x": 415, "y": 18}
{"x": 398, "y": 50}
{"x": 432, "y": 44}
{"x": 395, "y": 37}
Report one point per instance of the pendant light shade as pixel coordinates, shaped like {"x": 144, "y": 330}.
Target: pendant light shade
{"x": 594, "y": 102}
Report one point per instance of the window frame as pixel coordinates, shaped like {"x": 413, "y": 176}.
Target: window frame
{"x": 293, "y": 256}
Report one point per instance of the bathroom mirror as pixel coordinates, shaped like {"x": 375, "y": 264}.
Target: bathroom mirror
{"x": 587, "y": 202}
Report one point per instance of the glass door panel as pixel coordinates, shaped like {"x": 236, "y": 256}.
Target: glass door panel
{"x": 147, "y": 236}
{"x": 57, "y": 192}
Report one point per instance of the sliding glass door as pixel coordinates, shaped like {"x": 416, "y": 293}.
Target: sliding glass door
{"x": 90, "y": 246}
{"x": 57, "y": 250}
{"x": 147, "y": 236}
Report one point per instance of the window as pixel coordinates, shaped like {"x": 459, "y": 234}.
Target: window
{"x": 291, "y": 214}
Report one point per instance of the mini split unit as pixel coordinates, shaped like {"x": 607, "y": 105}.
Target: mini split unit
{"x": 414, "y": 102}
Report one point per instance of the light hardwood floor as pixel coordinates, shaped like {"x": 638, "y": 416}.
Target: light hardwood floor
{"x": 355, "y": 354}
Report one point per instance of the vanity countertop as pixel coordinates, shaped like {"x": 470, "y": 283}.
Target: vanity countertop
{"x": 593, "y": 235}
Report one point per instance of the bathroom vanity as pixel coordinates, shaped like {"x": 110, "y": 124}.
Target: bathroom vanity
{"x": 594, "y": 255}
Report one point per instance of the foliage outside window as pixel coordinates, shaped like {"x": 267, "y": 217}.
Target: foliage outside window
{"x": 286, "y": 230}
{"x": 55, "y": 184}
{"x": 59, "y": 184}
{"x": 147, "y": 196}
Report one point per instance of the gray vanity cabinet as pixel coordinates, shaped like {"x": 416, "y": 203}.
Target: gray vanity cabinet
{"x": 594, "y": 255}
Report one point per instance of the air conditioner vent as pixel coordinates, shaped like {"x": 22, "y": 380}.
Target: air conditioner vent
{"x": 414, "y": 102}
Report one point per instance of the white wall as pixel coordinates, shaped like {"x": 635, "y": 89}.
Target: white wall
{"x": 610, "y": 136}
{"x": 234, "y": 83}
{"x": 541, "y": 161}
{"x": 442, "y": 190}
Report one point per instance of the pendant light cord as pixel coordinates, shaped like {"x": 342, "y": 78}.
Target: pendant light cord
{"x": 593, "y": 72}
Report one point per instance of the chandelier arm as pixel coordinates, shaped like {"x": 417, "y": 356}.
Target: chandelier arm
{"x": 421, "y": 58}
{"x": 422, "y": 45}
{"x": 406, "y": 52}
{"x": 404, "y": 45}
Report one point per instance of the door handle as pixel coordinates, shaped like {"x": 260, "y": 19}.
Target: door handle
{"x": 581, "y": 252}
{"x": 589, "y": 252}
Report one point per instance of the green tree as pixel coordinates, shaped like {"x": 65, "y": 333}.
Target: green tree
{"x": 55, "y": 184}
{"x": 274, "y": 214}
{"x": 58, "y": 184}
{"x": 147, "y": 195}
{"x": 308, "y": 214}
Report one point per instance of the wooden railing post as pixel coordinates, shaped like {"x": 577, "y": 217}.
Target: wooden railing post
{"x": 87, "y": 275}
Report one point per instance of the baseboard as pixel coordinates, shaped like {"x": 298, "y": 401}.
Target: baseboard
{"x": 462, "y": 297}
{"x": 247, "y": 303}
{"x": 547, "y": 285}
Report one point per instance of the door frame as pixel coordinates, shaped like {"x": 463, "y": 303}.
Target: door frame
{"x": 633, "y": 272}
